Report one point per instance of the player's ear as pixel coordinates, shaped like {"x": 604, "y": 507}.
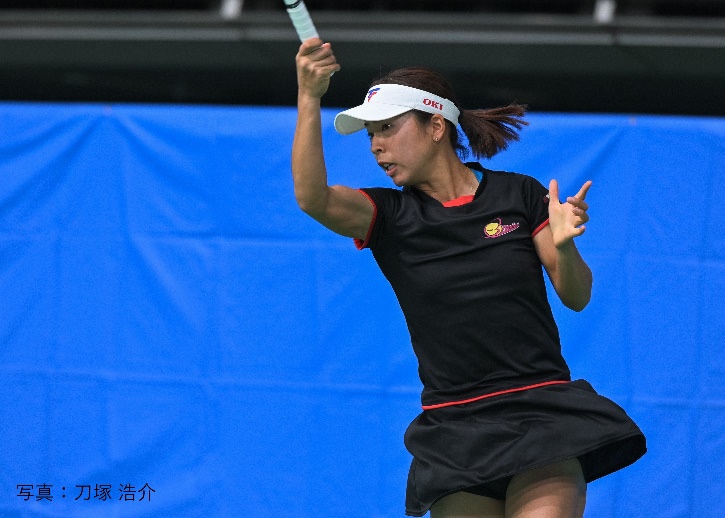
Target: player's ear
{"x": 438, "y": 126}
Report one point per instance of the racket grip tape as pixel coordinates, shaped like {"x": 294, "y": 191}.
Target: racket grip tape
{"x": 301, "y": 20}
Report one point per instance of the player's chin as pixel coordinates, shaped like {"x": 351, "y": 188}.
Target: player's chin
{"x": 399, "y": 180}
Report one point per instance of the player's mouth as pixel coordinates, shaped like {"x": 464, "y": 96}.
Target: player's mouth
{"x": 388, "y": 167}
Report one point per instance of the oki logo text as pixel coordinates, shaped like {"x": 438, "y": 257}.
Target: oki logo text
{"x": 433, "y": 104}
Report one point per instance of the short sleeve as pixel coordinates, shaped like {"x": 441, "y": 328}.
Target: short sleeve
{"x": 384, "y": 201}
{"x": 536, "y": 199}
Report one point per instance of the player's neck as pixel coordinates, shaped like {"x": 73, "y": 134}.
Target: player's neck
{"x": 449, "y": 180}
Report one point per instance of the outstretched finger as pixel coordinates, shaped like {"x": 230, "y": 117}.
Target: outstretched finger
{"x": 583, "y": 191}
{"x": 578, "y": 203}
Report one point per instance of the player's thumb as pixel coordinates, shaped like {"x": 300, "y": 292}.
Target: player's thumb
{"x": 553, "y": 191}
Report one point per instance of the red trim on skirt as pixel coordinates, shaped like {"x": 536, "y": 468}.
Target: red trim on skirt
{"x": 492, "y": 394}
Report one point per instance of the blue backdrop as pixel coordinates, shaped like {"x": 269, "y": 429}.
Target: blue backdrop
{"x": 178, "y": 339}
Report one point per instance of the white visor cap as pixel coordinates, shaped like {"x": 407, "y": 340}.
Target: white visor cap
{"x": 386, "y": 101}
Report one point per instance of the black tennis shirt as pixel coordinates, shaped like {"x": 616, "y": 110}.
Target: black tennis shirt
{"x": 470, "y": 285}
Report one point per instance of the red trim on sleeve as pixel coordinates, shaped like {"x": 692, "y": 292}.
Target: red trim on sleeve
{"x": 359, "y": 243}
{"x": 493, "y": 394}
{"x": 540, "y": 227}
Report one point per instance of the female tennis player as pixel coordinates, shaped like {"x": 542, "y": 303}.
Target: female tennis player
{"x": 504, "y": 430}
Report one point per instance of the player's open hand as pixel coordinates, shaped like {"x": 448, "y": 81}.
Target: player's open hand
{"x": 567, "y": 219}
{"x": 315, "y": 64}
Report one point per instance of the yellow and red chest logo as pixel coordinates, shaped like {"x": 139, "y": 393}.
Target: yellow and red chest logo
{"x": 497, "y": 229}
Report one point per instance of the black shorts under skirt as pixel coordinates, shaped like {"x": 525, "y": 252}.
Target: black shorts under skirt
{"x": 478, "y": 447}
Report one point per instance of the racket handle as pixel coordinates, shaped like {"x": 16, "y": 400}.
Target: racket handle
{"x": 301, "y": 19}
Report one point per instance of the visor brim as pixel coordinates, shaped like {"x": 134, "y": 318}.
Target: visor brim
{"x": 354, "y": 119}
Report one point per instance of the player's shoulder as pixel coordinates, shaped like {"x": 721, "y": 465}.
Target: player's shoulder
{"x": 499, "y": 175}
{"x": 382, "y": 191}
{"x": 498, "y": 179}
{"x": 382, "y": 194}
{"x": 385, "y": 199}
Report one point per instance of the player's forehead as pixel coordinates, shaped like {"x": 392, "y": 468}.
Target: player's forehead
{"x": 373, "y": 126}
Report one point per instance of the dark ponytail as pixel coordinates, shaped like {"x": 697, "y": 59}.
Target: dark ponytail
{"x": 488, "y": 131}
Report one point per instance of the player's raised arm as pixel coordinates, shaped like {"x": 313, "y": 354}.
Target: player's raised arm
{"x": 569, "y": 274}
{"x": 341, "y": 209}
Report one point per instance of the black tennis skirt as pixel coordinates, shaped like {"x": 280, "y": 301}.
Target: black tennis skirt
{"x": 478, "y": 447}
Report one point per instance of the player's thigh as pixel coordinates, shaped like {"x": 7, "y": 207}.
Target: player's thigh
{"x": 467, "y": 505}
{"x": 554, "y": 491}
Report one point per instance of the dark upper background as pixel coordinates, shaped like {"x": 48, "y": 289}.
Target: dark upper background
{"x": 650, "y": 56}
